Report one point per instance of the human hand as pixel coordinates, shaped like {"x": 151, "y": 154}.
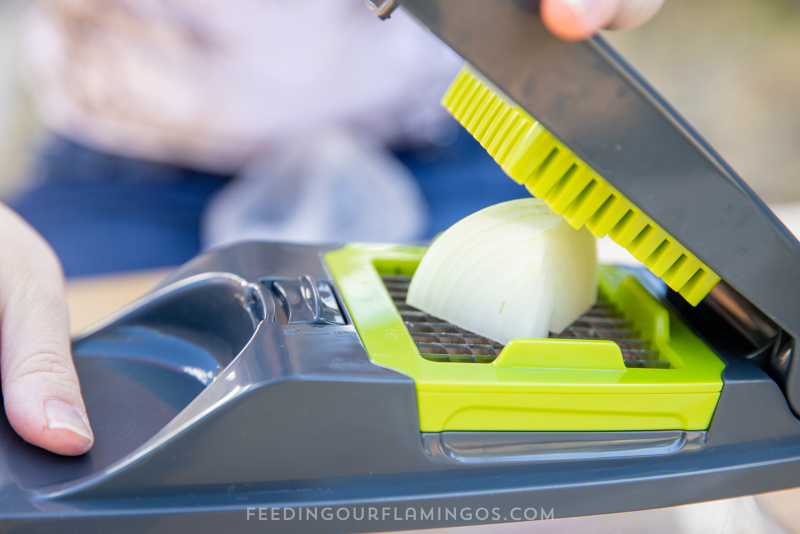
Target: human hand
{"x": 40, "y": 386}
{"x": 574, "y": 20}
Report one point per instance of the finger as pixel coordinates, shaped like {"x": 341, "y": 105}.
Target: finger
{"x": 633, "y": 13}
{"x": 579, "y": 19}
{"x": 41, "y": 392}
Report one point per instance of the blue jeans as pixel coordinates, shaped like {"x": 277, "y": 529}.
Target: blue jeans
{"x": 103, "y": 213}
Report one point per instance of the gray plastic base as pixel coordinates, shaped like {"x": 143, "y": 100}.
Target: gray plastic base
{"x": 211, "y": 416}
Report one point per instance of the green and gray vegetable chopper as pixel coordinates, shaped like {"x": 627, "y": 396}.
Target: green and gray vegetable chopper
{"x": 269, "y": 378}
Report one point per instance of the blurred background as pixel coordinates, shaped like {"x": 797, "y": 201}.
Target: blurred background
{"x": 729, "y": 66}
{"x": 18, "y": 126}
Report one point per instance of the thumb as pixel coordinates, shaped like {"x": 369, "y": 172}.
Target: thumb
{"x": 40, "y": 387}
{"x": 574, "y": 20}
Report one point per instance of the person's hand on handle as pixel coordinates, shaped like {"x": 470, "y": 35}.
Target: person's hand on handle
{"x": 574, "y": 20}
{"x": 41, "y": 393}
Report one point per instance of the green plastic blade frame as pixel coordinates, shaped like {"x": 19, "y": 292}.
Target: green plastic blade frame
{"x": 531, "y": 156}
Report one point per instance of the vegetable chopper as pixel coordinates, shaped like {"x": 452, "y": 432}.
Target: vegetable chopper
{"x": 288, "y": 388}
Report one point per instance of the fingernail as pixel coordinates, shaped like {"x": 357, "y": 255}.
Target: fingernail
{"x": 63, "y": 416}
{"x": 591, "y": 14}
{"x": 577, "y": 7}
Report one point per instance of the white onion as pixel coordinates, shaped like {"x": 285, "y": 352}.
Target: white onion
{"x": 513, "y": 270}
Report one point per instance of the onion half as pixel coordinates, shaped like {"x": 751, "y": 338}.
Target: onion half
{"x": 513, "y": 270}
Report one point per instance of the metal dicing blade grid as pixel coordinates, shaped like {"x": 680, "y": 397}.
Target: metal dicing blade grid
{"x": 440, "y": 341}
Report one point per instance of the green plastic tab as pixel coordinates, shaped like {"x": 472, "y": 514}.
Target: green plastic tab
{"x": 561, "y": 354}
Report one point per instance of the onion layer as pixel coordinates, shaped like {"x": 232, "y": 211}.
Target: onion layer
{"x": 513, "y": 270}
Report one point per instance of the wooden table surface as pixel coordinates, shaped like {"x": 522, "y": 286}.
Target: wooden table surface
{"x": 93, "y": 298}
